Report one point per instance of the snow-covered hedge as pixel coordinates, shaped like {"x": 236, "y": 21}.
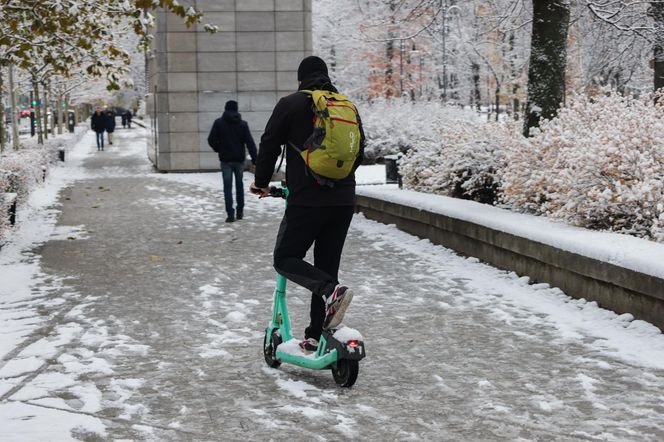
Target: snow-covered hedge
{"x": 599, "y": 164}
{"x": 22, "y": 170}
{"x": 463, "y": 163}
{"x": 394, "y": 126}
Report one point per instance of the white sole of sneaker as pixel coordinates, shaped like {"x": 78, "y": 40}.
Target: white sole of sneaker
{"x": 338, "y": 316}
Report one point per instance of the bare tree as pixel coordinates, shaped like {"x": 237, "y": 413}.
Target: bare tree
{"x": 643, "y": 18}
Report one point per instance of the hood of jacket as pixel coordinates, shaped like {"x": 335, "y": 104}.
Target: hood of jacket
{"x": 232, "y": 117}
{"x": 317, "y": 81}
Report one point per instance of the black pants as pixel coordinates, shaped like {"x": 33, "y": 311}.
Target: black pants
{"x": 326, "y": 228}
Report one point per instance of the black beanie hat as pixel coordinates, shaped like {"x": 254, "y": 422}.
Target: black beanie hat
{"x": 310, "y": 65}
{"x": 231, "y": 105}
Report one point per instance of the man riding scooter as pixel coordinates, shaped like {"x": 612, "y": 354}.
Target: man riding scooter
{"x": 318, "y": 213}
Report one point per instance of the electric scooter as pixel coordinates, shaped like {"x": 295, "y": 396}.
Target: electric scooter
{"x": 339, "y": 349}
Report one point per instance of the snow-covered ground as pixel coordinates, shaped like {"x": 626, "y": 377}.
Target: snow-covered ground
{"x": 131, "y": 311}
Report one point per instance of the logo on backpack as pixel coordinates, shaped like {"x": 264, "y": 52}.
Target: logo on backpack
{"x": 331, "y": 150}
{"x": 352, "y": 142}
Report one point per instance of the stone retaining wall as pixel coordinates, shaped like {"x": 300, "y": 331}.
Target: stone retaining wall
{"x": 615, "y": 288}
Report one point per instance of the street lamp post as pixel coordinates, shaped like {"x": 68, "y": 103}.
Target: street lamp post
{"x": 443, "y": 11}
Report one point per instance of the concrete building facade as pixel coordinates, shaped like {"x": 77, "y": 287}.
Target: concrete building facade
{"x": 252, "y": 59}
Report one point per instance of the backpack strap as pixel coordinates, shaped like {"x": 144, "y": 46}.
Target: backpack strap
{"x": 322, "y": 181}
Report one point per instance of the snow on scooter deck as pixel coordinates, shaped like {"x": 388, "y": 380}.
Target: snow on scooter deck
{"x": 343, "y": 334}
{"x": 292, "y": 347}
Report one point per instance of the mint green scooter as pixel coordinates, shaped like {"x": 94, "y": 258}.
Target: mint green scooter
{"x": 339, "y": 349}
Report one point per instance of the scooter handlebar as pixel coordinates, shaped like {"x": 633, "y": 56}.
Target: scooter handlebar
{"x": 277, "y": 192}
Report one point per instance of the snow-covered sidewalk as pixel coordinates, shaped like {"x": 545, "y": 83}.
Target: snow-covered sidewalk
{"x": 140, "y": 316}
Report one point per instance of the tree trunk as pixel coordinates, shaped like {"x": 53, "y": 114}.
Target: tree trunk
{"x": 61, "y": 114}
{"x": 497, "y": 97}
{"x": 516, "y": 104}
{"x": 40, "y": 132}
{"x": 12, "y": 97}
{"x": 476, "y": 98}
{"x": 548, "y": 54}
{"x": 514, "y": 74}
{"x": 46, "y": 96}
{"x": 657, "y": 13}
{"x": 3, "y": 136}
{"x": 389, "y": 54}
{"x": 66, "y": 112}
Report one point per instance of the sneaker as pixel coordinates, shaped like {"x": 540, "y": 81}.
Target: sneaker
{"x": 230, "y": 219}
{"x": 336, "y": 305}
{"x": 309, "y": 344}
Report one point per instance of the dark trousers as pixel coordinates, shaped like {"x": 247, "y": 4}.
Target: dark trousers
{"x": 228, "y": 169}
{"x": 100, "y": 140}
{"x": 326, "y": 229}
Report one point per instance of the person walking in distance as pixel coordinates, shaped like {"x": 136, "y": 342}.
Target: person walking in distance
{"x": 229, "y": 137}
{"x": 128, "y": 117}
{"x": 110, "y": 125}
{"x": 318, "y": 211}
{"x": 98, "y": 124}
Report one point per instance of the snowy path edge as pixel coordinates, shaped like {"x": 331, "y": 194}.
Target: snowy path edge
{"x": 622, "y": 273}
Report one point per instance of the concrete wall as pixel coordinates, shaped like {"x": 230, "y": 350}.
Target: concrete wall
{"x": 252, "y": 59}
{"x": 615, "y": 288}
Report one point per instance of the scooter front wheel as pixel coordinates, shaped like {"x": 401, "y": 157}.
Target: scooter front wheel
{"x": 345, "y": 372}
{"x": 270, "y": 351}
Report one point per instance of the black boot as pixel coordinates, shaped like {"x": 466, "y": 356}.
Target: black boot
{"x": 230, "y": 218}
{"x": 238, "y": 215}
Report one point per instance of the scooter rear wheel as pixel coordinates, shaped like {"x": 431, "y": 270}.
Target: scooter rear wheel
{"x": 345, "y": 372}
{"x": 270, "y": 352}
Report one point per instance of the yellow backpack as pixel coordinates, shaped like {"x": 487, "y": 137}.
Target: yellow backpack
{"x": 331, "y": 150}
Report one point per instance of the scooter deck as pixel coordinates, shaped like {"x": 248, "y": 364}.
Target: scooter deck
{"x": 291, "y": 353}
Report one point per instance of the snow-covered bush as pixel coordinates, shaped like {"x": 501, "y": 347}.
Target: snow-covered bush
{"x": 393, "y": 126}
{"x": 4, "y": 220}
{"x": 20, "y": 172}
{"x": 26, "y": 168}
{"x": 465, "y": 162}
{"x": 599, "y": 164}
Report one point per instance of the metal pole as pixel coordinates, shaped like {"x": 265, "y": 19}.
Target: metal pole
{"x": 401, "y": 68}
{"x": 443, "y": 11}
{"x": 12, "y": 92}
{"x": 3, "y": 128}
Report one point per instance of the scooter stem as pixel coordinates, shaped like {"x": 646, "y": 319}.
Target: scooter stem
{"x": 280, "y": 309}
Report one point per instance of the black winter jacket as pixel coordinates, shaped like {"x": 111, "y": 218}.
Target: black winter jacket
{"x": 229, "y": 136}
{"x": 110, "y": 121}
{"x": 98, "y": 122}
{"x": 292, "y": 120}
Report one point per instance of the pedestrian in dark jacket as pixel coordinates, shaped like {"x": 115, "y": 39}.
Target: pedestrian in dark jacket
{"x": 123, "y": 117}
{"x": 128, "y": 117}
{"x": 229, "y": 137}
{"x": 98, "y": 124}
{"x": 110, "y": 125}
{"x": 316, "y": 214}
